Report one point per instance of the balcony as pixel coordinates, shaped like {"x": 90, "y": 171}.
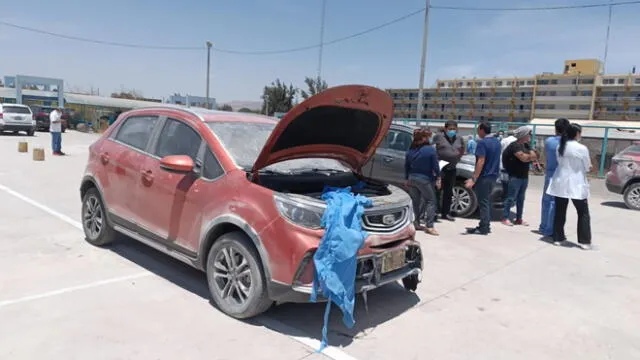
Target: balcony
{"x": 572, "y": 99}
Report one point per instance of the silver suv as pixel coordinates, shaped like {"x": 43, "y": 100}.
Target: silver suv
{"x": 16, "y": 118}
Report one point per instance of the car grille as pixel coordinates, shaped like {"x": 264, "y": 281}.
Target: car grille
{"x": 385, "y": 221}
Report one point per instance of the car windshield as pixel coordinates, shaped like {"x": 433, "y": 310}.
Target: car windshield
{"x": 244, "y": 141}
{"x": 15, "y": 110}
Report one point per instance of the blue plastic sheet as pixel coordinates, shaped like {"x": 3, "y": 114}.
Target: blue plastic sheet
{"x": 336, "y": 258}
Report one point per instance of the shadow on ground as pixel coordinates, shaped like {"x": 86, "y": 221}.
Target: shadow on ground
{"x": 384, "y": 304}
{"x": 615, "y": 204}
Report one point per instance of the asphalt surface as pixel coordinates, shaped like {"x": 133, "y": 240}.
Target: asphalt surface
{"x": 505, "y": 296}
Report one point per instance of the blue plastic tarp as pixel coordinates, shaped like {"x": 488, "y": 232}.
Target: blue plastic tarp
{"x": 336, "y": 258}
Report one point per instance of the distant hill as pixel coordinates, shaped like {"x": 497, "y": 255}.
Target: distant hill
{"x": 239, "y": 104}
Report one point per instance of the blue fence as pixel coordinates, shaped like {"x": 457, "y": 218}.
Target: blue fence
{"x": 505, "y": 126}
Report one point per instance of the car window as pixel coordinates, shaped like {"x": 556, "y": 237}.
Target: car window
{"x": 401, "y": 142}
{"x": 136, "y": 131}
{"x": 15, "y": 110}
{"x": 211, "y": 167}
{"x": 178, "y": 138}
{"x": 388, "y": 139}
{"x": 632, "y": 149}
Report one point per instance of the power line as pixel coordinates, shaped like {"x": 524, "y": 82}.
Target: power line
{"x": 314, "y": 46}
{"x": 539, "y": 8}
{"x": 220, "y": 50}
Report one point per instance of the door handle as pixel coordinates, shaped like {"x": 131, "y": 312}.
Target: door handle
{"x": 387, "y": 159}
{"x": 147, "y": 176}
{"x": 104, "y": 158}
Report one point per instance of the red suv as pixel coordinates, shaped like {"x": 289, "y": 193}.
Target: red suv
{"x": 238, "y": 195}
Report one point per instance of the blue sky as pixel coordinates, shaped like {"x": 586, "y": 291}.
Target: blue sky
{"x": 461, "y": 43}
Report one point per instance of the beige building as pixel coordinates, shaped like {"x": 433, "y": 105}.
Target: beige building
{"x": 581, "y": 91}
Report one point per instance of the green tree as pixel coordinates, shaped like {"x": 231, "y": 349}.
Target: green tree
{"x": 314, "y": 86}
{"x": 225, "y": 107}
{"x": 246, "y": 110}
{"x": 278, "y": 97}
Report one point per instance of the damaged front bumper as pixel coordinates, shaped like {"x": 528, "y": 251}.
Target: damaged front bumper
{"x": 373, "y": 270}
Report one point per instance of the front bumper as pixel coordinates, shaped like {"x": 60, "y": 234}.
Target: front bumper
{"x": 17, "y": 127}
{"x": 369, "y": 275}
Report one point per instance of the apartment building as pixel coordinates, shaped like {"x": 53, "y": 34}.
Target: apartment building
{"x": 580, "y": 92}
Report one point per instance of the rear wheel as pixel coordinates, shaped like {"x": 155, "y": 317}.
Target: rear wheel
{"x": 632, "y": 196}
{"x": 465, "y": 201}
{"x": 236, "y": 278}
{"x": 95, "y": 224}
{"x": 30, "y": 132}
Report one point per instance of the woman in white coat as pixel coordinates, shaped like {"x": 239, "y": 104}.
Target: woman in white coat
{"x": 570, "y": 182}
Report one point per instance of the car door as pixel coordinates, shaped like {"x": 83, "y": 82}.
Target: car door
{"x": 388, "y": 164}
{"x": 121, "y": 158}
{"x": 167, "y": 199}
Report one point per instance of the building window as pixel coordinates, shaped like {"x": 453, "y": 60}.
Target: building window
{"x": 479, "y": 83}
{"x": 620, "y": 81}
{"x": 530, "y": 82}
{"x": 585, "y": 107}
{"x": 498, "y": 83}
{"x": 573, "y": 107}
{"x": 509, "y": 83}
{"x": 586, "y": 81}
{"x": 441, "y": 84}
{"x": 488, "y": 83}
{"x": 521, "y": 82}
{"x": 587, "y": 93}
{"x": 459, "y": 84}
{"x": 543, "y": 82}
{"x": 637, "y": 80}
{"x": 469, "y": 83}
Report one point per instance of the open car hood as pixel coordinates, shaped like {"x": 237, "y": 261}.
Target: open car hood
{"x": 346, "y": 123}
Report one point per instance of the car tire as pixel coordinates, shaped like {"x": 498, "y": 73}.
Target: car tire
{"x": 236, "y": 278}
{"x": 465, "y": 201}
{"x": 30, "y": 132}
{"x": 411, "y": 282}
{"x": 632, "y": 196}
{"x": 97, "y": 229}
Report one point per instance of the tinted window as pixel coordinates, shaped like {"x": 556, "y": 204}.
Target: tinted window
{"x": 178, "y": 138}
{"x": 136, "y": 131}
{"x": 212, "y": 168}
{"x": 402, "y": 141}
{"x": 15, "y": 110}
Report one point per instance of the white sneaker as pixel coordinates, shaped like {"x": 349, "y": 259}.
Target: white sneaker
{"x": 557, "y": 243}
{"x": 586, "y": 247}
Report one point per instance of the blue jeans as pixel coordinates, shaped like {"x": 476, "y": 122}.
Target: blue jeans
{"x": 515, "y": 194}
{"x": 56, "y": 141}
{"x": 483, "y": 189}
{"x": 548, "y": 209}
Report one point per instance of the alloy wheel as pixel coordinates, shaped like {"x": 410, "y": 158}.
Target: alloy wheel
{"x": 634, "y": 197}
{"x": 461, "y": 200}
{"x": 232, "y": 276}
{"x": 93, "y": 217}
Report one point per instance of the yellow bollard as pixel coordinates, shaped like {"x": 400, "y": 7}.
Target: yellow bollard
{"x": 23, "y": 147}
{"x": 38, "y": 154}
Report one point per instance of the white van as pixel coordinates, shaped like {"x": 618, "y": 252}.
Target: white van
{"x": 17, "y": 117}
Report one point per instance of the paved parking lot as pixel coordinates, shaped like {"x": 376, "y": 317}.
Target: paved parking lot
{"x": 505, "y": 296}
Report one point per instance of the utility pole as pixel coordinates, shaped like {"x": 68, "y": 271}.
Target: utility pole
{"x": 425, "y": 37}
{"x": 324, "y": 7}
{"x": 606, "y": 44}
{"x": 209, "y": 44}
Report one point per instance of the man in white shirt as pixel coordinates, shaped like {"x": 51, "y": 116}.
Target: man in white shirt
{"x": 55, "y": 128}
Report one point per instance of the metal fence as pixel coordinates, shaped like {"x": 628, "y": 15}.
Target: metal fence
{"x": 613, "y": 138}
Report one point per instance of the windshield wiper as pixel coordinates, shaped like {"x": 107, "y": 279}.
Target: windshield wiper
{"x": 320, "y": 170}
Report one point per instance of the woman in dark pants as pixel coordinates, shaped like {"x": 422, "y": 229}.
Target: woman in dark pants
{"x": 423, "y": 175}
{"x": 569, "y": 181}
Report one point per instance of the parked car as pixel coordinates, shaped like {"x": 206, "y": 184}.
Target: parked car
{"x": 624, "y": 176}
{"x": 388, "y": 166}
{"x": 16, "y": 118}
{"x": 42, "y": 118}
{"x": 237, "y": 195}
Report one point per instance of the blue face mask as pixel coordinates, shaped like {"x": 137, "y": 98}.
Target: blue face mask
{"x": 451, "y": 133}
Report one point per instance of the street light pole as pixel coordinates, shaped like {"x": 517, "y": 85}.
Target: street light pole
{"x": 324, "y": 6}
{"x": 425, "y": 37}
{"x": 209, "y": 44}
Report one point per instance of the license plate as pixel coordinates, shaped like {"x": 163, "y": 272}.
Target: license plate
{"x": 393, "y": 260}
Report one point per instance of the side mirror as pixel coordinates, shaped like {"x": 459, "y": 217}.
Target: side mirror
{"x": 180, "y": 164}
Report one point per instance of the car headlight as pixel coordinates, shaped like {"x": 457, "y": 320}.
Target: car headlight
{"x": 305, "y": 215}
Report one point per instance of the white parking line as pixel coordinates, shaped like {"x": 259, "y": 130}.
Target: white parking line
{"x": 73, "y": 288}
{"x": 331, "y": 352}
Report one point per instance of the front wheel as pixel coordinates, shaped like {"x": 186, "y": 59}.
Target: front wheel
{"x": 464, "y": 202}
{"x": 411, "y": 282}
{"x": 236, "y": 278}
{"x": 632, "y": 196}
{"x": 30, "y": 132}
{"x": 95, "y": 224}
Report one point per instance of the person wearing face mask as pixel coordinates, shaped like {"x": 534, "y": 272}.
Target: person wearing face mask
{"x": 516, "y": 159}
{"x": 422, "y": 173}
{"x": 450, "y": 148}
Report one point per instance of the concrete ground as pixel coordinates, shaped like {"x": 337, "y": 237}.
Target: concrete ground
{"x": 505, "y": 296}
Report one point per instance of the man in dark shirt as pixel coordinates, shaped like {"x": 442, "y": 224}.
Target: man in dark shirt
{"x": 485, "y": 176}
{"x": 450, "y": 148}
{"x": 516, "y": 160}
